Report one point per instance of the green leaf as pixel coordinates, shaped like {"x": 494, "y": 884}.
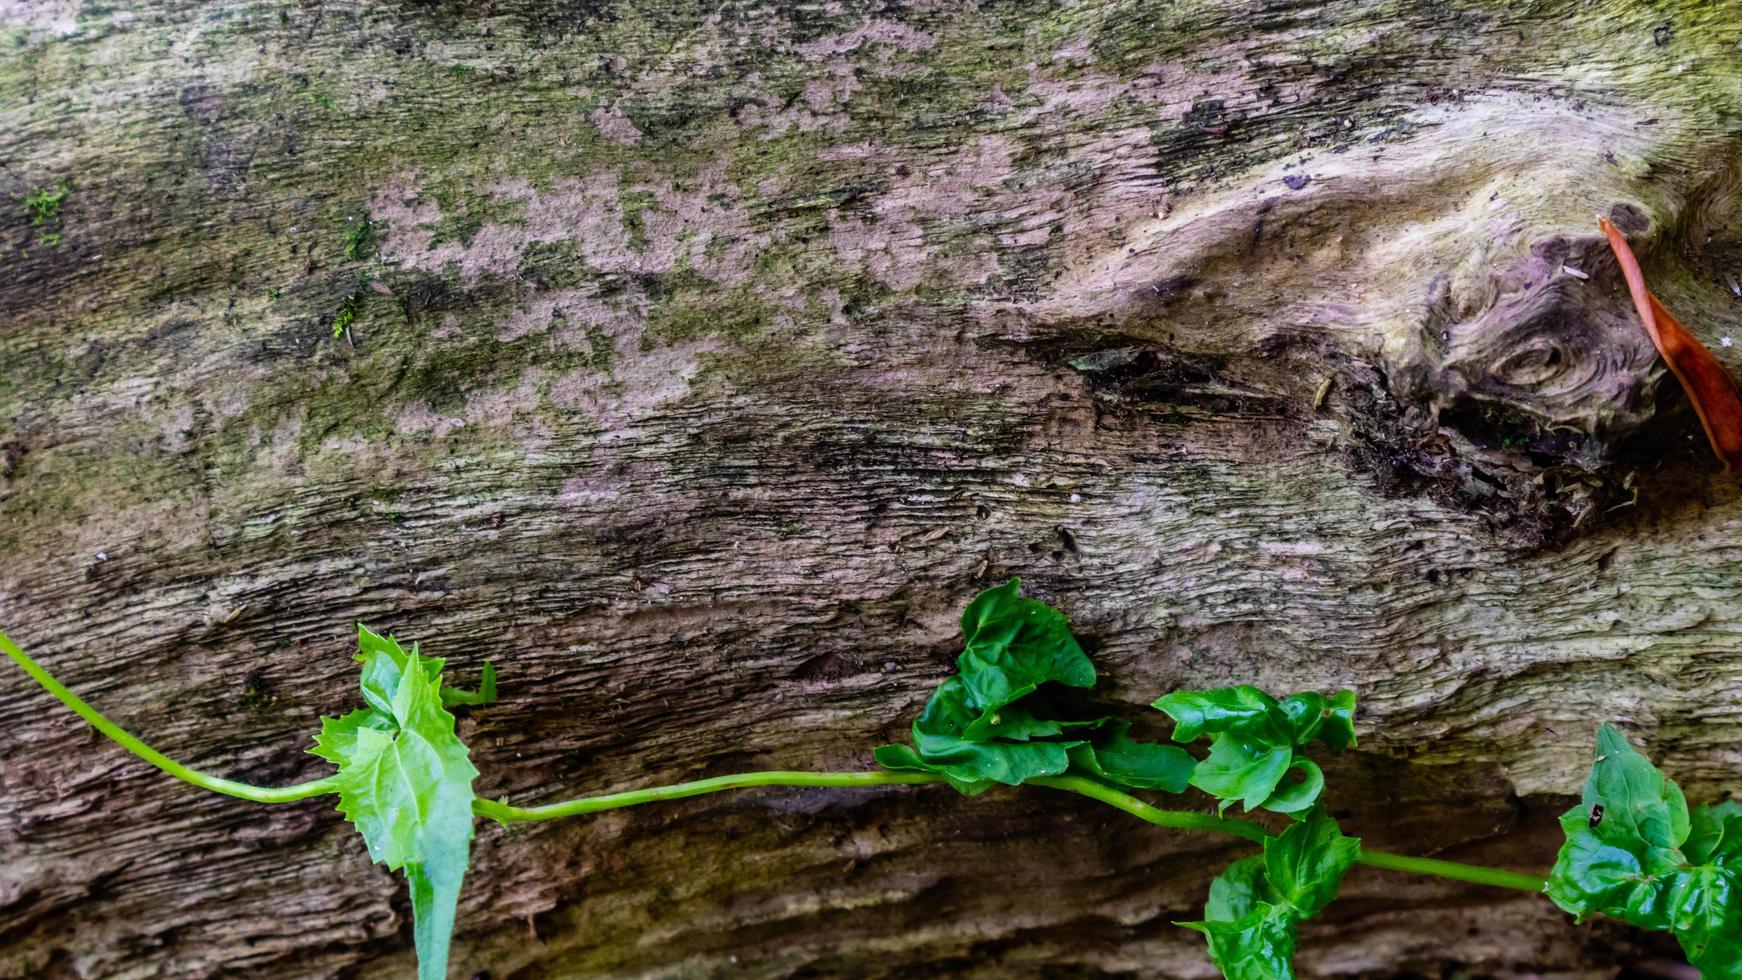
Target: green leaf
{"x": 1639, "y": 803}
{"x": 902, "y": 758}
{"x": 1594, "y": 875}
{"x": 1013, "y": 645}
{"x": 1722, "y": 960}
{"x": 1228, "y": 709}
{"x": 1031, "y": 717}
{"x": 1119, "y": 759}
{"x": 1238, "y": 890}
{"x": 1705, "y": 908}
{"x": 1245, "y": 710}
{"x": 1251, "y": 934}
{"x": 1242, "y": 769}
{"x": 384, "y": 662}
{"x": 1715, "y": 835}
{"x": 405, "y": 782}
{"x": 1300, "y": 795}
{"x": 1256, "y": 906}
{"x": 485, "y": 694}
{"x": 1257, "y": 946}
{"x": 992, "y": 723}
{"x": 1339, "y": 728}
{"x": 941, "y": 743}
{"x": 337, "y": 742}
{"x": 1331, "y": 720}
{"x": 1306, "y": 862}
{"x": 1623, "y": 839}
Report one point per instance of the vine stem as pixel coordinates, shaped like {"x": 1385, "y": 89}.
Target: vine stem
{"x": 505, "y": 813}
{"x": 217, "y": 784}
{"x": 1177, "y": 819}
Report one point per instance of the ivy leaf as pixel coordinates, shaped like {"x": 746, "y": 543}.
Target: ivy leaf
{"x": 1117, "y": 758}
{"x": 1715, "y": 835}
{"x": 1243, "y": 769}
{"x": 1306, "y": 862}
{"x": 405, "y": 782}
{"x": 1014, "y": 645}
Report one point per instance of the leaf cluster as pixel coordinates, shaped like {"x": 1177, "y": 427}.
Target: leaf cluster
{"x": 1256, "y": 906}
{"x": 1000, "y": 718}
{"x": 405, "y": 782}
{"x": 1256, "y": 742}
{"x": 1636, "y": 853}
{"x": 1004, "y": 717}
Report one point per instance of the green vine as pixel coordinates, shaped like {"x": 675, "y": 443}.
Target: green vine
{"x": 1016, "y": 713}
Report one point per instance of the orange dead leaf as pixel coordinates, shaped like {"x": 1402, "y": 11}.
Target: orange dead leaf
{"x": 1704, "y": 379}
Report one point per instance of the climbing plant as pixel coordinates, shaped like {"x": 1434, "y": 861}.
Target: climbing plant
{"x": 1017, "y": 712}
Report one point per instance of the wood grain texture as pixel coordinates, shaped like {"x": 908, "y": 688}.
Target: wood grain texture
{"x": 706, "y": 359}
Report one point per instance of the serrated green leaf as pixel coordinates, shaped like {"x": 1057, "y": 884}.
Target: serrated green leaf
{"x": 1115, "y": 757}
{"x": 1715, "y": 835}
{"x": 1305, "y": 864}
{"x": 1012, "y": 645}
{"x": 405, "y": 782}
{"x": 1257, "y": 946}
{"x": 1242, "y": 769}
{"x": 337, "y": 742}
{"x": 384, "y": 662}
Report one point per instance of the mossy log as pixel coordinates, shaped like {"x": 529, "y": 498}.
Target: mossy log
{"x": 695, "y": 363}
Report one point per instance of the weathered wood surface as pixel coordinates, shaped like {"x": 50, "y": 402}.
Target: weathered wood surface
{"x": 712, "y": 357}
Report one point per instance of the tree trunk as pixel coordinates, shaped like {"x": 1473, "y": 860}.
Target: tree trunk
{"x": 696, "y": 364}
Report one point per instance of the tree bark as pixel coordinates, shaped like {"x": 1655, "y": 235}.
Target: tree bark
{"x": 697, "y": 363}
